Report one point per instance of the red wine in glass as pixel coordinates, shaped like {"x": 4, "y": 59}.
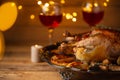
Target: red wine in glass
{"x": 93, "y": 17}
{"x": 93, "y": 12}
{"x": 50, "y": 16}
{"x": 50, "y": 21}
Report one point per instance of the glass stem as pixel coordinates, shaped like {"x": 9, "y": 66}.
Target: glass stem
{"x": 50, "y": 35}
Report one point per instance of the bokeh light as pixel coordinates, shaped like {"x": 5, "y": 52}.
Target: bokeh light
{"x": 20, "y": 7}
{"x": 32, "y": 16}
{"x": 74, "y": 14}
{"x": 62, "y": 1}
{"x": 39, "y": 2}
{"x": 74, "y": 19}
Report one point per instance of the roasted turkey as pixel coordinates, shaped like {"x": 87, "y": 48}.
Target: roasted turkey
{"x": 99, "y": 44}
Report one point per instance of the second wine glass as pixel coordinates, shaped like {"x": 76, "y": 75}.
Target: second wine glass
{"x": 93, "y": 12}
{"x": 50, "y": 17}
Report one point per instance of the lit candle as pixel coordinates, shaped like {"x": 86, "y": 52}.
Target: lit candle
{"x": 35, "y": 53}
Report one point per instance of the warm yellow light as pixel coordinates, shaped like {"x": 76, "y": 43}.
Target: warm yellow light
{"x": 20, "y": 7}
{"x": 46, "y": 7}
{"x": 68, "y": 16}
{"x": 74, "y": 14}
{"x": 88, "y": 7}
{"x": 32, "y": 16}
{"x": 36, "y": 45}
{"x": 39, "y": 2}
{"x": 12, "y": 4}
{"x": 62, "y": 1}
{"x": 46, "y": 4}
{"x": 74, "y": 19}
{"x": 107, "y": 0}
{"x": 63, "y": 14}
{"x": 96, "y": 4}
{"x": 105, "y": 4}
{"x": 8, "y": 15}
{"x": 51, "y": 2}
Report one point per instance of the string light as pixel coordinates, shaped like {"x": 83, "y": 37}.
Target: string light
{"x": 88, "y": 7}
{"x": 105, "y": 4}
{"x": 13, "y": 4}
{"x": 62, "y": 1}
{"x": 68, "y": 16}
{"x": 74, "y": 19}
{"x": 63, "y": 14}
{"x": 96, "y": 4}
{"x": 51, "y": 2}
{"x": 74, "y": 14}
{"x": 39, "y": 2}
{"x": 107, "y": 0}
{"x": 20, "y": 7}
{"x": 46, "y": 4}
{"x": 32, "y": 16}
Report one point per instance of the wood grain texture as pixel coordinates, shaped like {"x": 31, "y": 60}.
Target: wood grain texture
{"x": 16, "y": 65}
{"x": 28, "y": 75}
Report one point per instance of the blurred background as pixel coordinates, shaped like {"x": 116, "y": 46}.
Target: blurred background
{"x": 27, "y": 29}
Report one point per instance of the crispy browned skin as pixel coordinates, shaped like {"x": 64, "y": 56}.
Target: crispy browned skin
{"x": 104, "y": 36}
{"x": 110, "y": 39}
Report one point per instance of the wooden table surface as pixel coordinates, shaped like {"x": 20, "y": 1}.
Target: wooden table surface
{"x": 16, "y": 65}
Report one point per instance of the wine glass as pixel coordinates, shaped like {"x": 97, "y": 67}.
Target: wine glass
{"x": 50, "y": 17}
{"x": 93, "y": 12}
